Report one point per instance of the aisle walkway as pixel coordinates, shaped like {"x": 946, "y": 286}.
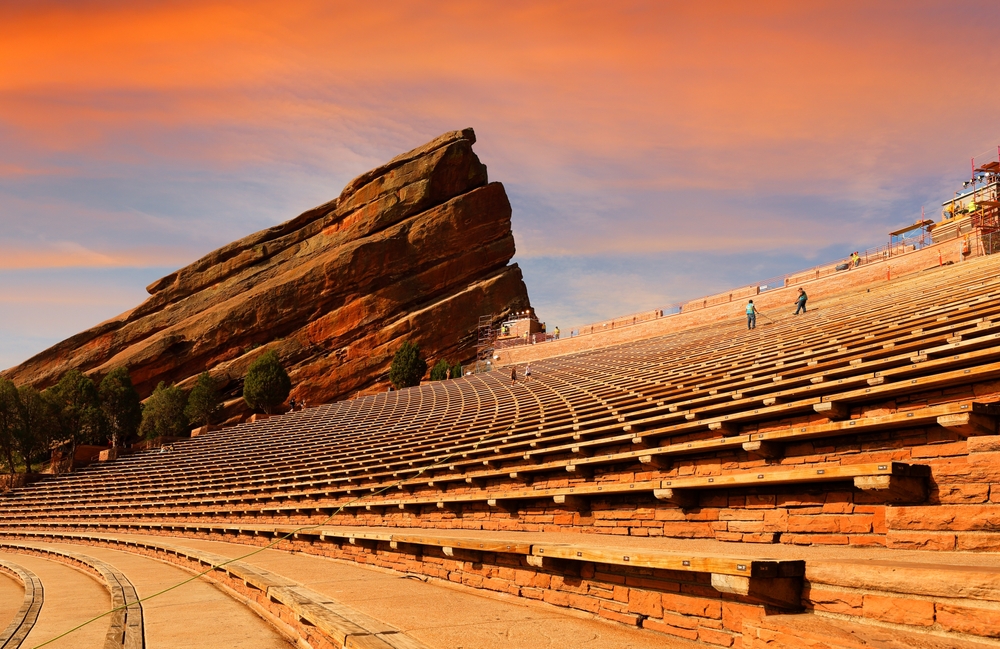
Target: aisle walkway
{"x": 439, "y": 616}
{"x": 71, "y": 598}
{"x": 211, "y": 618}
{"x": 11, "y": 597}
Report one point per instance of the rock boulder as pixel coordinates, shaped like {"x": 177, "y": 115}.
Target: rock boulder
{"x": 417, "y": 249}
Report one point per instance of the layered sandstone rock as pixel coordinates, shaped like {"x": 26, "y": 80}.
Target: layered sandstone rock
{"x": 416, "y": 249}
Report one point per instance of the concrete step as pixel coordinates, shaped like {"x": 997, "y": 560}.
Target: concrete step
{"x": 955, "y": 602}
{"x": 808, "y": 631}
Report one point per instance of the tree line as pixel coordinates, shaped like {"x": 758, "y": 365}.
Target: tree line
{"x": 77, "y": 411}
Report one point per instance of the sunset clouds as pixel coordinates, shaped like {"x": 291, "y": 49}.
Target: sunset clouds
{"x": 630, "y": 136}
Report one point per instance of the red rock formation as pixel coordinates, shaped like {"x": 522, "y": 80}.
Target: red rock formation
{"x": 416, "y": 249}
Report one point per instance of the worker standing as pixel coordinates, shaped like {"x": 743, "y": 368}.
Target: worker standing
{"x": 800, "y": 302}
{"x": 751, "y": 315}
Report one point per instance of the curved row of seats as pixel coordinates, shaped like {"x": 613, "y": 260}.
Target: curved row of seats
{"x": 809, "y": 431}
{"x": 575, "y": 412}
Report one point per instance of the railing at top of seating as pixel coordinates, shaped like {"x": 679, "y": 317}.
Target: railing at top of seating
{"x": 868, "y": 256}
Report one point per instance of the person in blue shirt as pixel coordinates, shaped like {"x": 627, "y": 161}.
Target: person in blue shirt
{"x": 751, "y": 315}
{"x": 800, "y": 303}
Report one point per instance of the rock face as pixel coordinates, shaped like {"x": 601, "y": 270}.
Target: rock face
{"x": 416, "y": 249}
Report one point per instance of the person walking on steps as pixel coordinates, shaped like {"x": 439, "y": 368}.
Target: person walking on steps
{"x": 800, "y": 303}
{"x": 527, "y": 373}
{"x": 513, "y": 375}
{"x": 751, "y": 315}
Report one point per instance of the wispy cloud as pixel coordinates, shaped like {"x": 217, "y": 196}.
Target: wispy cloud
{"x": 69, "y": 254}
{"x": 146, "y": 134}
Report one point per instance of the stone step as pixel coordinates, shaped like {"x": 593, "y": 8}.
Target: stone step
{"x": 957, "y": 602}
{"x": 808, "y": 631}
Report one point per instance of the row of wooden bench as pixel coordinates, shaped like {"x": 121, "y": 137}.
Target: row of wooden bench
{"x": 520, "y": 449}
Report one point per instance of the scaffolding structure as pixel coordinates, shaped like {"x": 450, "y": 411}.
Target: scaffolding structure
{"x": 485, "y": 343}
{"x": 986, "y": 217}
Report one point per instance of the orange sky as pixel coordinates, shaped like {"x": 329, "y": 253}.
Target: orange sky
{"x": 143, "y": 134}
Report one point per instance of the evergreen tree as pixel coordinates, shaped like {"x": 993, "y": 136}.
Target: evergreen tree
{"x": 204, "y": 402}
{"x": 38, "y": 424}
{"x": 267, "y": 384}
{"x": 440, "y": 370}
{"x": 8, "y": 425}
{"x": 120, "y": 405}
{"x": 408, "y": 366}
{"x": 79, "y": 409}
{"x": 456, "y": 370}
{"x": 163, "y": 413}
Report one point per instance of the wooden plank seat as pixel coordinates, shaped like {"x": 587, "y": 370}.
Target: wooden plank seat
{"x": 884, "y": 476}
{"x": 909, "y": 418}
{"x": 621, "y": 381}
{"x": 739, "y": 575}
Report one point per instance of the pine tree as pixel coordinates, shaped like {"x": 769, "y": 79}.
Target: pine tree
{"x": 267, "y": 384}
{"x": 163, "y": 413}
{"x": 8, "y": 425}
{"x": 440, "y": 370}
{"x": 121, "y": 405}
{"x": 37, "y": 424}
{"x": 80, "y": 418}
{"x": 408, "y": 366}
{"x": 204, "y": 402}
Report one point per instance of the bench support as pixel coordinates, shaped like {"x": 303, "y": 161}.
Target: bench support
{"x": 834, "y": 410}
{"x": 769, "y": 450}
{"x": 893, "y": 488}
{"x": 969, "y": 424}
{"x": 655, "y": 462}
{"x": 577, "y": 503}
{"x": 505, "y": 505}
{"x": 679, "y": 497}
{"x": 725, "y": 428}
{"x": 583, "y": 471}
{"x": 785, "y": 592}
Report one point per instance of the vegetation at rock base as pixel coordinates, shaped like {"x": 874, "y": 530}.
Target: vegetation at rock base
{"x": 78, "y": 405}
{"x": 204, "y": 402}
{"x": 267, "y": 384}
{"x": 408, "y": 366}
{"x": 120, "y": 405}
{"x": 441, "y": 369}
{"x": 163, "y": 413}
{"x": 28, "y": 422}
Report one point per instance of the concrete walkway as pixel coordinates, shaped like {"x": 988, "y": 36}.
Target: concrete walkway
{"x": 11, "y": 597}
{"x": 71, "y": 598}
{"x": 440, "y": 616}
{"x": 195, "y": 615}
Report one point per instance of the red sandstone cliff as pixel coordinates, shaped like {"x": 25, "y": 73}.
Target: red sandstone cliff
{"x": 416, "y": 249}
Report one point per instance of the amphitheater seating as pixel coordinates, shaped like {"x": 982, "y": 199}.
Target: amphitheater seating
{"x": 865, "y": 422}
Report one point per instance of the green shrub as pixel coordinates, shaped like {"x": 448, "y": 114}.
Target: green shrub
{"x": 163, "y": 413}
{"x": 440, "y": 370}
{"x": 204, "y": 402}
{"x": 81, "y": 420}
{"x": 267, "y": 384}
{"x": 408, "y": 366}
